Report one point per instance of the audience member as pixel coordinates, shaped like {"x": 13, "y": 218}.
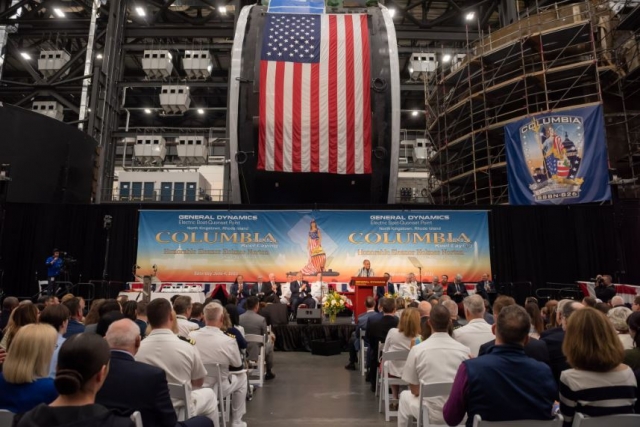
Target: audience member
{"x": 197, "y": 314}
{"x": 589, "y": 302}
{"x": 401, "y": 338}
{"x": 617, "y": 301}
{"x": 255, "y": 324}
{"x": 434, "y": 361}
{"x": 179, "y": 359}
{"x": 135, "y": 386}
{"x": 632, "y": 356}
{"x": 231, "y": 330}
{"x": 183, "y": 308}
{"x": 217, "y": 347}
{"x": 635, "y": 306}
{"x": 505, "y": 374}
{"x": 425, "y": 311}
{"x": 53, "y": 300}
{"x": 434, "y": 301}
{"x": 66, "y": 297}
{"x": 354, "y": 341}
{"x": 108, "y": 306}
{"x": 552, "y": 318}
{"x": 129, "y": 310}
{"x": 83, "y": 364}
{"x": 453, "y": 311}
{"x": 25, "y": 381}
{"x": 376, "y": 333}
{"x": 618, "y": 318}
{"x": 93, "y": 316}
{"x": 24, "y": 314}
{"x": 536, "y": 349}
{"x": 105, "y": 321}
{"x": 537, "y": 326}
{"x": 555, "y": 337}
{"x": 603, "y": 307}
{"x": 400, "y": 304}
{"x": 275, "y": 313}
{"x": 598, "y": 383}
{"x": 141, "y": 318}
{"x": 75, "y": 325}
{"x": 8, "y": 305}
{"x": 488, "y": 317}
{"x": 477, "y": 331}
{"x": 58, "y": 317}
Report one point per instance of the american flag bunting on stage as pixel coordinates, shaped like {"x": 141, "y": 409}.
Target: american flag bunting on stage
{"x": 314, "y": 94}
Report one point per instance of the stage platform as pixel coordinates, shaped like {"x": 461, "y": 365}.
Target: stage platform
{"x": 294, "y": 337}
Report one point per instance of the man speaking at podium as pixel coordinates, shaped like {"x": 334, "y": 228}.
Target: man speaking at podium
{"x": 366, "y": 270}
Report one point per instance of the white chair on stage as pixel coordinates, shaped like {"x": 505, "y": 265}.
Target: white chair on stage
{"x": 260, "y": 369}
{"x": 6, "y": 418}
{"x": 388, "y": 381}
{"x": 621, "y": 420}
{"x": 181, "y": 393}
{"x": 556, "y": 422}
{"x": 430, "y": 390}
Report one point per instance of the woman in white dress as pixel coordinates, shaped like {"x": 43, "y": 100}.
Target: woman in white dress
{"x": 402, "y": 338}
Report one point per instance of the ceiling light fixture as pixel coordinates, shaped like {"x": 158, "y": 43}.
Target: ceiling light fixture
{"x": 140, "y": 11}
{"x": 222, "y": 10}
{"x": 200, "y": 111}
{"x": 414, "y": 113}
{"x": 25, "y": 55}
{"x": 59, "y": 12}
{"x": 446, "y": 58}
{"x": 392, "y": 12}
{"x": 147, "y": 110}
{"x": 470, "y": 16}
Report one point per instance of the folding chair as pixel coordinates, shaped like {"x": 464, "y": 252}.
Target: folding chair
{"x": 378, "y": 378}
{"x": 621, "y": 420}
{"x": 258, "y": 339}
{"x": 363, "y": 353}
{"x": 213, "y": 371}
{"x": 556, "y": 422}
{"x": 6, "y": 418}
{"x": 137, "y": 418}
{"x": 387, "y": 381}
{"x": 430, "y": 390}
{"x": 181, "y": 393}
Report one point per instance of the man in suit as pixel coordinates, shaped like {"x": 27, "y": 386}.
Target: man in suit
{"x": 366, "y": 270}
{"x": 242, "y": 291}
{"x": 555, "y": 337}
{"x": 301, "y": 294}
{"x": 389, "y": 288}
{"x": 134, "y": 386}
{"x": 354, "y": 341}
{"x": 376, "y": 333}
{"x": 457, "y": 290}
{"x": 271, "y": 291}
{"x": 75, "y": 325}
{"x": 536, "y": 349}
{"x": 486, "y": 289}
{"x": 255, "y": 324}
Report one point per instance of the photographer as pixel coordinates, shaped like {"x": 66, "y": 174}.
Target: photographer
{"x": 604, "y": 288}
{"x": 54, "y": 266}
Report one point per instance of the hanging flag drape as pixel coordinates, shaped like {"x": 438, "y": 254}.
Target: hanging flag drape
{"x": 315, "y": 113}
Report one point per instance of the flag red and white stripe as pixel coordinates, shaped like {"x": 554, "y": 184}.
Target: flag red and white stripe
{"x": 316, "y": 117}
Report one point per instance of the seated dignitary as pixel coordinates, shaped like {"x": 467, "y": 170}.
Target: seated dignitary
{"x": 354, "y": 341}
{"x": 301, "y": 294}
{"x": 216, "y": 346}
{"x": 25, "y": 381}
{"x": 486, "y": 288}
{"x": 598, "y": 383}
{"x": 182, "y": 306}
{"x": 434, "y": 361}
{"x": 477, "y": 331}
{"x": 179, "y": 359}
{"x": 409, "y": 289}
{"x": 271, "y": 291}
{"x": 457, "y": 290}
{"x": 536, "y": 349}
{"x": 505, "y": 374}
{"x": 255, "y": 324}
{"x": 135, "y": 386}
{"x": 83, "y": 364}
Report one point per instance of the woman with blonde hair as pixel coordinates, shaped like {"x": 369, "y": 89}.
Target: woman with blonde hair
{"x": 401, "y": 338}
{"x": 25, "y": 381}
{"x": 23, "y": 315}
{"x": 400, "y": 305}
{"x": 599, "y": 383}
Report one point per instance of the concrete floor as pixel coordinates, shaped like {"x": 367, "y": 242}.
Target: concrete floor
{"x": 314, "y": 391}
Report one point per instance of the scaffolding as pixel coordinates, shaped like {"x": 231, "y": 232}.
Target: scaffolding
{"x": 553, "y": 60}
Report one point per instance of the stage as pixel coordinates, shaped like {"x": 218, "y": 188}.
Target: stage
{"x": 294, "y": 337}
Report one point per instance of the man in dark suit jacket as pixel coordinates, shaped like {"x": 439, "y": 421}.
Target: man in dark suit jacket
{"x": 134, "y": 386}
{"x": 535, "y": 349}
{"x": 301, "y": 294}
{"x": 486, "y": 288}
{"x": 376, "y": 333}
{"x": 457, "y": 290}
{"x": 389, "y": 288}
{"x": 354, "y": 341}
{"x": 271, "y": 291}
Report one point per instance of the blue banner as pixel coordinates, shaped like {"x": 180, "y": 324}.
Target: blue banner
{"x": 304, "y": 7}
{"x": 558, "y": 158}
{"x": 211, "y": 246}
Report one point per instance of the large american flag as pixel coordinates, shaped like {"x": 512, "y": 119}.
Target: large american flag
{"x": 315, "y": 113}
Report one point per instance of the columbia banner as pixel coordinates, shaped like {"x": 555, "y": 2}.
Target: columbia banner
{"x": 215, "y": 246}
{"x": 558, "y": 158}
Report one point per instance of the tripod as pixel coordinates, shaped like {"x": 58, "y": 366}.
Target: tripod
{"x": 107, "y": 226}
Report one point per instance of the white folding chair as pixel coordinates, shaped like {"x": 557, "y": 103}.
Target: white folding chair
{"x": 387, "y": 381}
{"x": 137, "y": 418}
{"x": 430, "y": 390}
{"x": 556, "y": 422}
{"x": 6, "y": 418}
{"x": 363, "y": 353}
{"x": 378, "y": 377}
{"x": 181, "y": 393}
{"x": 214, "y": 371}
{"x": 260, "y": 340}
{"x": 621, "y": 420}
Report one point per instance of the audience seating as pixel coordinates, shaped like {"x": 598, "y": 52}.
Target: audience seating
{"x": 259, "y": 339}
{"x": 363, "y": 353}
{"x": 378, "y": 378}
{"x": 224, "y": 405}
{"x": 556, "y": 422}
{"x": 181, "y": 392}
{"x": 622, "y": 420}
{"x": 6, "y": 418}
{"x": 137, "y": 418}
{"x": 431, "y": 390}
{"x": 388, "y": 381}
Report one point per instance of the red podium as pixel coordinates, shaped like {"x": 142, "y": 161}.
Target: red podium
{"x": 364, "y": 288}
